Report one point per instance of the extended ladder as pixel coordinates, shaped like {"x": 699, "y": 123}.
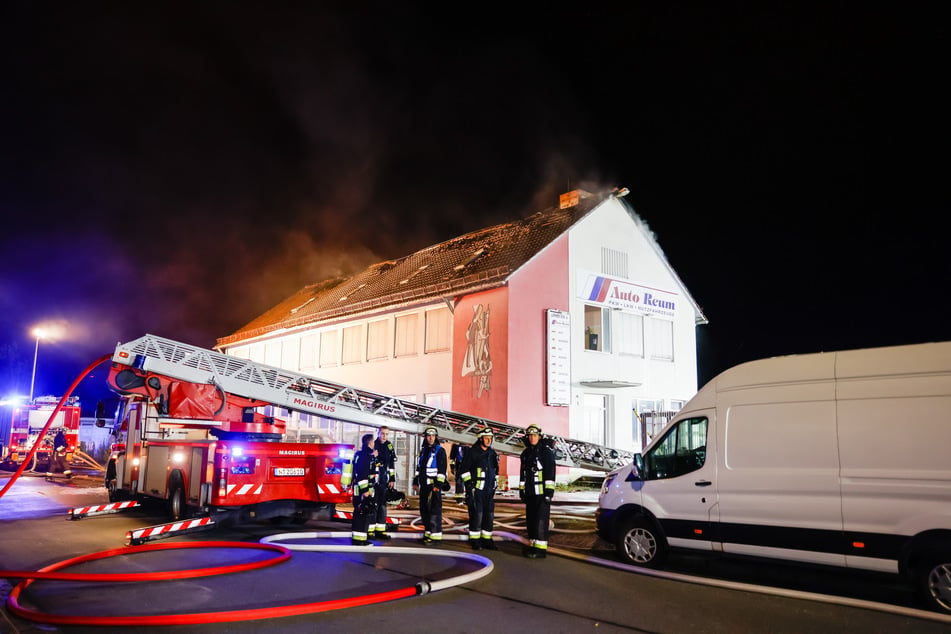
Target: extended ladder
{"x": 307, "y": 394}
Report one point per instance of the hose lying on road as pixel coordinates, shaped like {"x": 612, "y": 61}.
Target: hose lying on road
{"x": 51, "y": 573}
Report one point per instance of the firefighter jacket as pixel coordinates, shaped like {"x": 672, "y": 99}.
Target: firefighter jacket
{"x": 364, "y": 471}
{"x": 537, "y": 474}
{"x": 386, "y": 459}
{"x": 59, "y": 443}
{"x": 431, "y": 467}
{"x": 480, "y": 466}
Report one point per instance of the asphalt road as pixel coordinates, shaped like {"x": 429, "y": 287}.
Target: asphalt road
{"x": 570, "y": 591}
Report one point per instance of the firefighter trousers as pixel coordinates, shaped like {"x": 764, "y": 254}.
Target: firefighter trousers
{"x": 481, "y": 512}
{"x": 378, "y": 522}
{"x": 537, "y": 518}
{"x": 430, "y": 510}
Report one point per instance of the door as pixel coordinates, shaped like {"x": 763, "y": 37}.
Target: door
{"x": 679, "y": 481}
{"x": 595, "y": 419}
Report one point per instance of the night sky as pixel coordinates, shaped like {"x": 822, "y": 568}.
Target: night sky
{"x": 178, "y": 168}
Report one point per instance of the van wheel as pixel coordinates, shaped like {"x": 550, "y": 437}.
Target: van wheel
{"x": 934, "y": 579}
{"x": 641, "y": 543}
{"x": 176, "y": 500}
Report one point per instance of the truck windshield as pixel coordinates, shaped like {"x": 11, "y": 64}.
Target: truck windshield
{"x": 682, "y": 449}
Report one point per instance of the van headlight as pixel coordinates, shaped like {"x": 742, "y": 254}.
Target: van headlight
{"x": 607, "y": 482}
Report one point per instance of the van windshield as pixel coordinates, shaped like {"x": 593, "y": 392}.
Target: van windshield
{"x": 681, "y": 450}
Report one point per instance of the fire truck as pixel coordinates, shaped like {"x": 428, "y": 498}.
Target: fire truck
{"x": 197, "y": 430}
{"x": 29, "y": 420}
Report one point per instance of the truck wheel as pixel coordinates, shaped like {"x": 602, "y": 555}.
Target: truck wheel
{"x": 934, "y": 579}
{"x": 641, "y": 543}
{"x": 177, "y": 508}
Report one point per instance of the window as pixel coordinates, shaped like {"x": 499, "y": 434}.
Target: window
{"x": 378, "y": 336}
{"x": 437, "y": 400}
{"x": 352, "y": 344}
{"x": 406, "y": 335}
{"x": 329, "y": 350}
{"x": 597, "y": 328}
{"x": 290, "y": 354}
{"x": 438, "y": 330}
{"x": 682, "y": 449}
{"x": 629, "y": 333}
{"x": 614, "y": 262}
{"x": 308, "y": 352}
{"x": 663, "y": 340}
{"x": 272, "y": 353}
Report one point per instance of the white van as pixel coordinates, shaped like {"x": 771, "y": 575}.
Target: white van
{"x": 838, "y": 458}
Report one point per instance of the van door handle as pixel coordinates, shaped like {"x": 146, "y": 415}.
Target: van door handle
{"x": 702, "y": 483}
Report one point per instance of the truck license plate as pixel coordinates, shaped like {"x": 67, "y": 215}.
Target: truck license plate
{"x": 288, "y": 471}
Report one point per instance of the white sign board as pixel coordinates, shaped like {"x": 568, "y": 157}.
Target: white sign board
{"x": 559, "y": 357}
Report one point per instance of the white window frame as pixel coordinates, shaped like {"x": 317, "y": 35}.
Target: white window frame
{"x": 290, "y": 354}
{"x": 309, "y": 349}
{"x": 629, "y": 333}
{"x": 329, "y": 348}
{"x": 378, "y": 340}
{"x": 597, "y": 321}
{"x": 272, "y": 353}
{"x": 662, "y": 340}
{"x": 438, "y": 330}
{"x": 354, "y": 344}
{"x": 405, "y": 339}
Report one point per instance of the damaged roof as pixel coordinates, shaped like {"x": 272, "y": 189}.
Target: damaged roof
{"x": 472, "y": 262}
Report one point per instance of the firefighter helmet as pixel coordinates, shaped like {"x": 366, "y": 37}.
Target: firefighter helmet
{"x": 534, "y": 429}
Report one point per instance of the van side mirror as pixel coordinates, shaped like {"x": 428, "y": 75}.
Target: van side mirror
{"x": 637, "y": 468}
{"x": 100, "y": 414}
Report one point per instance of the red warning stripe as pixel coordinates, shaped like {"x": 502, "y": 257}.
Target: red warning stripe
{"x": 347, "y": 515}
{"x": 173, "y": 527}
{"x": 103, "y": 508}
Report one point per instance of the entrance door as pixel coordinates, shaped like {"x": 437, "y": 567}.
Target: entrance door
{"x": 595, "y": 419}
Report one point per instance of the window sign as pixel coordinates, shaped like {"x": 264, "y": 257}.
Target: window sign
{"x": 615, "y": 293}
{"x": 559, "y": 357}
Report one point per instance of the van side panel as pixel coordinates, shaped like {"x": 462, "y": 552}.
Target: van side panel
{"x": 778, "y": 486}
{"x": 894, "y": 440}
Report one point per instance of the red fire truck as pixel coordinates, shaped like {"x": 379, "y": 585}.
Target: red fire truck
{"x": 207, "y": 452}
{"x": 29, "y": 420}
{"x": 196, "y": 429}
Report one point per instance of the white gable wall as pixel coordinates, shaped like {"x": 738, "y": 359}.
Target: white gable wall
{"x": 667, "y": 381}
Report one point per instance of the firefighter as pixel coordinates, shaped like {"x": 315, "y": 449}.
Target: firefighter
{"x": 385, "y": 480}
{"x": 364, "y": 478}
{"x": 536, "y": 488}
{"x": 457, "y": 453}
{"x": 58, "y": 455}
{"x": 480, "y": 468}
{"x": 431, "y": 480}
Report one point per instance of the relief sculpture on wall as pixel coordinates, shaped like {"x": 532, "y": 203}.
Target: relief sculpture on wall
{"x": 477, "y": 362}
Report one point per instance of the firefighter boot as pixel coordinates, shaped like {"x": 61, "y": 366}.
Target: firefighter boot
{"x": 476, "y": 543}
{"x": 488, "y": 544}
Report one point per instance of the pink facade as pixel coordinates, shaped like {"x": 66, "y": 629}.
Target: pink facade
{"x": 499, "y": 351}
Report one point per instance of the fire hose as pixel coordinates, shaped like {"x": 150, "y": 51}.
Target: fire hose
{"x": 51, "y": 573}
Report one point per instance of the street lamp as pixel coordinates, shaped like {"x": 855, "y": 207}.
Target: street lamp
{"x": 39, "y": 333}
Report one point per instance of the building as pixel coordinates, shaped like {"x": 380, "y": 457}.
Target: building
{"x": 571, "y": 318}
